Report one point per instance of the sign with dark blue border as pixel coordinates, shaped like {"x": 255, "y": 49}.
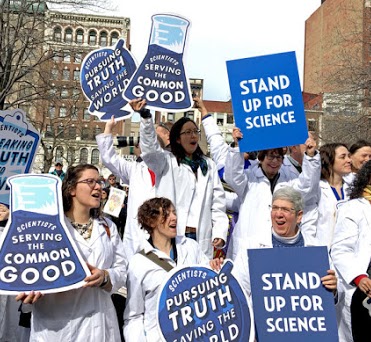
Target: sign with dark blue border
{"x": 104, "y": 75}
{"x": 267, "y": 101}
{"x": 37, "y": 252}
{"x": 198, "y": 304}
{"x": 19, "y": 141}
{"x": 160, "y": 78}
{"x": 289, "y": 301}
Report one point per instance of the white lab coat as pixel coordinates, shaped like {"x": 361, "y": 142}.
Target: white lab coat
{"x": 84, "y": 314}
{"x": 323, "y": 229}
{"x": 135, "y": 174}
{"x": 9, "y": 318}
{"x": 253, "y": 187}
{"x": 178, "y": 183}
{"x": 241, "y": 269}
{"x": 144, "y": 281}
{"x": 351, "y": 254}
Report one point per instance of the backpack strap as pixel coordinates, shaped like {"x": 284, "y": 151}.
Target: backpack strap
{"x": 157, "y": 260}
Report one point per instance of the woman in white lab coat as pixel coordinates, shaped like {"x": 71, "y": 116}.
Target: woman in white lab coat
{"x": 86, "y": 314}
{"x": 188, "y": 178}
{"x": 158, "y": 217}
{"x": 333, "y": 188}
{"x": 351, "y": 255}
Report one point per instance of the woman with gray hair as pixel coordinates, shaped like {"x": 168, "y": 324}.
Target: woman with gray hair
{"x": 286, "y": 215}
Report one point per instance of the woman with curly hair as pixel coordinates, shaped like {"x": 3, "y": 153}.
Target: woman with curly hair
{"x": 351, "y": 255}
{"x": 145, "y": 276}
{"x": 87, "y": 313}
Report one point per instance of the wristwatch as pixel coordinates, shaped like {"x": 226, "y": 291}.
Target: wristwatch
{"x": 105, "y": 280}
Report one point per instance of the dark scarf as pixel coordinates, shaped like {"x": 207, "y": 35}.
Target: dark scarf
{"x": 195, "y": 163}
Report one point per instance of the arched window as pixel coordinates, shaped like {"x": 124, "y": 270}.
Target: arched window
{"x": 84, "y": 156}
{"x": 79, "y": 36}
{"x": 92, "y": 37}
{"x": 70, "y": 155}
{"x": 95, "y": 156}
{"x": 59, "y": 154}
{"x": 57, "y": 34}
{"x": 68, "y": 35}
{"x": 114, "y": 37}
{"x": 103, "y": 39}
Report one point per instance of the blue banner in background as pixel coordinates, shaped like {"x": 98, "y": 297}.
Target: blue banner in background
{"x": 198, "y": 304}
{"x": 289, "y": 301}
{"x": 160, "y": 78}
{"x": 267, "y": 101}
{"x": 104, "y": 75}
{"x": 19, "y": 141}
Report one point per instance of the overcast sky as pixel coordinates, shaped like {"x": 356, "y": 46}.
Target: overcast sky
{"x": 223, "y": 30}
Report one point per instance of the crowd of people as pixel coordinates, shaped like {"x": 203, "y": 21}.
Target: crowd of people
{"x": 176, "y": 215}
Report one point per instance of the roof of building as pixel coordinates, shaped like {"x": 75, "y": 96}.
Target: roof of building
{"x": 218, "y": 106}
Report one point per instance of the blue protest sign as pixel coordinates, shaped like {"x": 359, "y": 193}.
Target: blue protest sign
{"x": 267, "y": 101}
{"x": 289, "y": 301}
{"x": 198, "y": 304}
{"x": 19, "y": 141}
{"x": 36, "y": 250}
{"x": 104, "y": 75}
{"x": 160, "y": 78}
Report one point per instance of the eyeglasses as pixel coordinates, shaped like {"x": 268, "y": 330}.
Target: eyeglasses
{"x": 271, "y": 157}
{"x": 190, "y": 132}
{"x": 285, "y": 210}
{"x": 92, "y": 182}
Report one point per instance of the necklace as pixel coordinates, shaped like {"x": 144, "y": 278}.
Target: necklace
{"x": 84, "y": 229}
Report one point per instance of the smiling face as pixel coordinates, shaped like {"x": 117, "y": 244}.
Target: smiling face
{"x": 284, "y": 218}
{"x": 271, "y": 163}
{"x": 166, "y": 228}
{"x": 85, "y": 195}
{"x": 342, "y": 162}
{"x": 359, "y": 157}
{"x": 189, "y": 142}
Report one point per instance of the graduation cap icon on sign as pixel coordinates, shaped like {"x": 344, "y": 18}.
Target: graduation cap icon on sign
{"x": 37, "y": 252}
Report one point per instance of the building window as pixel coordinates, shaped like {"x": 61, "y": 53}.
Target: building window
{"x": 103, "y": 39}
{"x": 78, "y": 57}
{"x": 84, "y": 156}
{"x": 312, "y": 125}
{"x": 170, "y": 117}
{"x": 59, "y": 154}
{"x": 95, "y": 156}
{"x": 66, "y": 56}
{"x": 79, "y": 36}
{"x": 60, "y": 131}
{"x": 230, "y": 119}
{"x": 51, "y": 112}
{"x": 54, "y": 74}
{"x": 114, "y": 38}
{"x": 74, "y": 113}
{"x": 57, "y": 57}
{"x": 68, "y": 35}
{"x": 97, "y": 130}
{"x": 92, "y": 37}
{"x": 66, "y": 74}
{"x": 85, "y": 133}
{"x": 62, "y": 112}
{"x": 57, "y": 34}
{"x": 49, "y": 131}
{"x": 72, "y": 132}
{"x": 70, "y": 155}
{"x": 64, "y": 93}
{"x": 86, "y": 114}
{"x": 76, "y": 75}
{"x": 220, "y": 119}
